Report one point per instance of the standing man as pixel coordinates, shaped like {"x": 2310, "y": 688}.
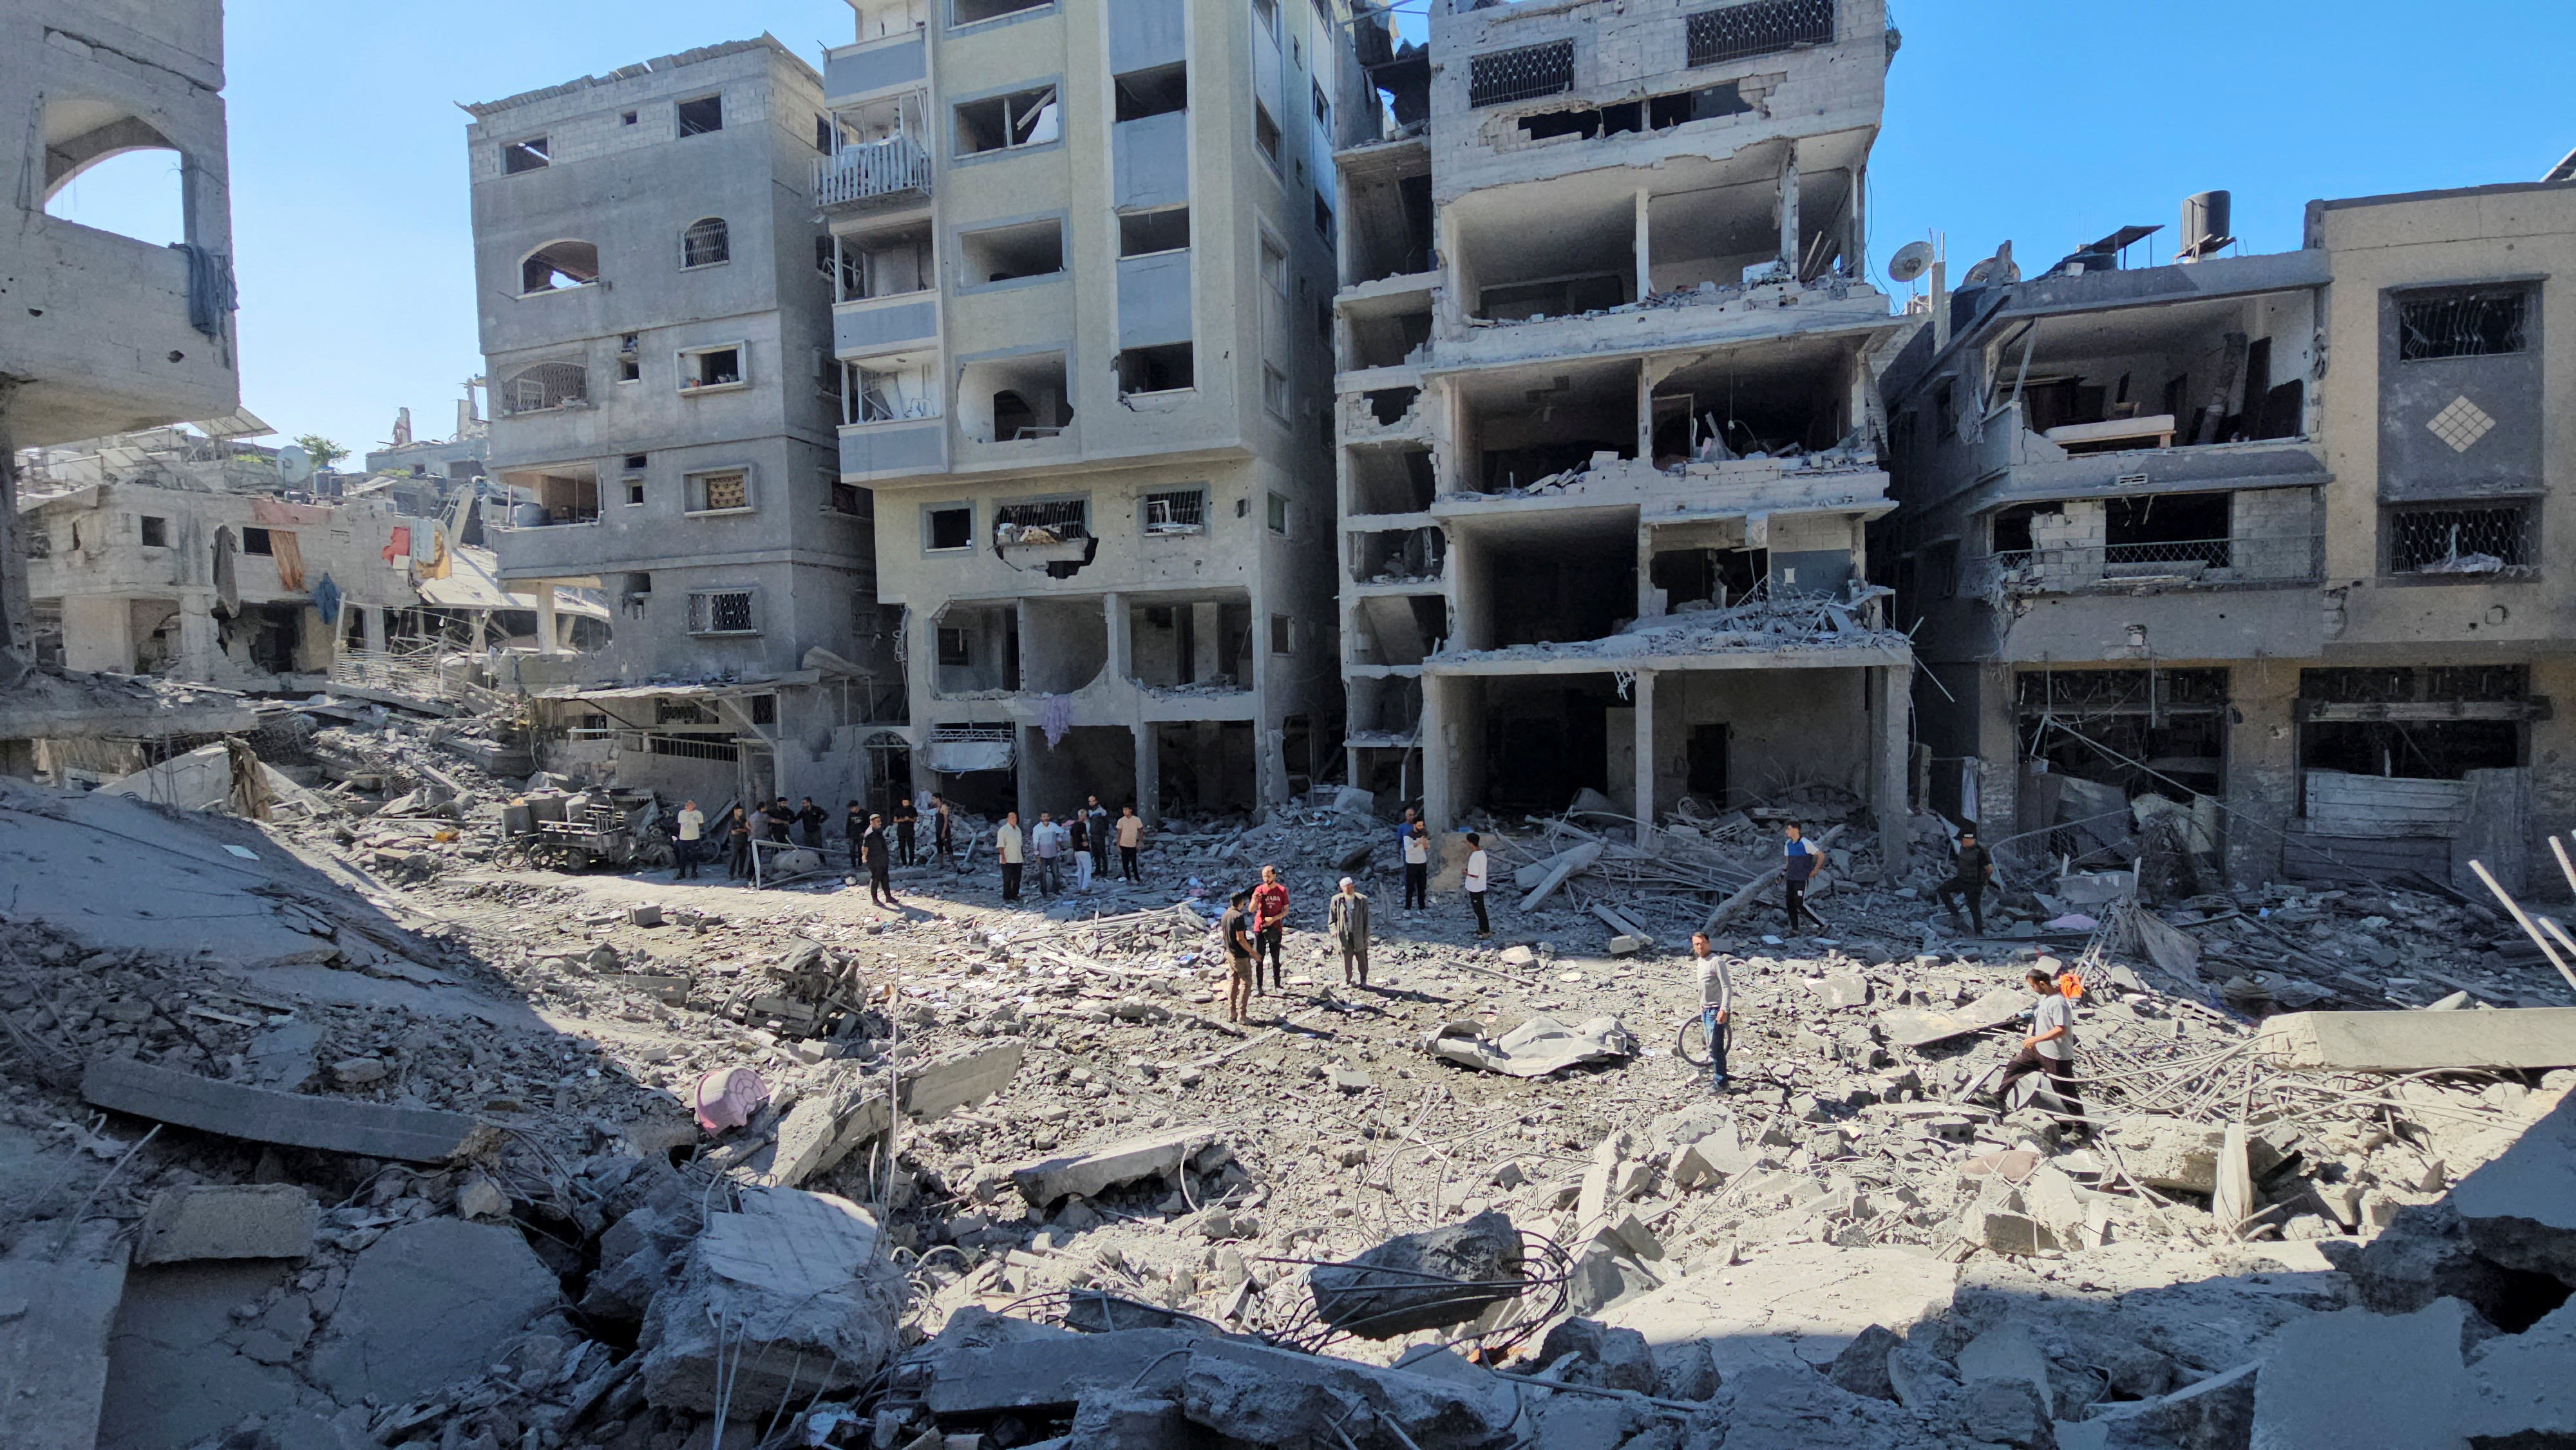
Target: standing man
{"x": 2049, "y": 1048}
{"x": 782, "y": 821}
{"x": 1131, "y": 835}
{"x": 1241, "y": 973}
{"x": 1095, "y": 830}
{"x": 1798, "y": 861}
{"x": 1478, "y": 864}
{"x": 943, "y": 830}
{"x": 1269, "y": 927}
{"x": 1077, "y": 834}
{"x": 1968, "y": 878}
{"x": 1048, "y": 839}
{"x": 1011, "y": 850}
{"x": 737, "y": 845}
{"x": 811, "y": 817}
{"x": 1404, "y": 830}
{"x": 873, "y": 848}
{"x": 1716, "y": 1006}
{"x": 693, "y": 826}
{"x": 854, "y": 825}
{"x": 1417, "y": 867}
{"x": 1348, "y": 918}
{"x": 907, "y": 819}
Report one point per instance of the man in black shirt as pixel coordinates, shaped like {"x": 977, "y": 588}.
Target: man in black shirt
{"x": 854, "y": 824}
{"x": 1968, "y": 878}
{"x": 873, "y": 848}
{"x": 782, "y": 821}
{"x": 811, "y": 817}
{"x": 1236, "y": 929}
{"x": 943, "y": 830}
{"x": 907, "y": 817}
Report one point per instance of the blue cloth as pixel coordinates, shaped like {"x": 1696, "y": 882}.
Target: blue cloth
{"x": 326, "y": 600}
{"x": 1798, "y": 858}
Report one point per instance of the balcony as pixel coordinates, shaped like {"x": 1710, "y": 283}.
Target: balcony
{"x": 896, "y": 169}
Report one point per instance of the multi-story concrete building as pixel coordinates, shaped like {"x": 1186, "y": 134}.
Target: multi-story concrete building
{"x": 1606, "y": 416}
{"x": 654, "y": 291}
{"x": 1083, "y": 270}
{"x": 2158, "y": 546}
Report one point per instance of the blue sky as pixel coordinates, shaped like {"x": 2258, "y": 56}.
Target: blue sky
{"x": 2037, "y": 120}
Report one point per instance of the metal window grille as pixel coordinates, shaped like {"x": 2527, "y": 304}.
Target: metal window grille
{"x": 682, "y": 747}
{"x": 1066, "y": 519}
{"x": 1181, "y": 512}
{"x": 725, "y": 611}
{"x": 724, "y": 490}
{"x": 536, "y": 388}
{"x": 976, "y": 734}
{"x": 1758, "y": 29}
{"x": 2462, "y": 539}
{"x": 2462, "y": 324}
{"x": 1503, "y": 76}
{"x": 705, "y": 243}
{"x": 667, "y": 711}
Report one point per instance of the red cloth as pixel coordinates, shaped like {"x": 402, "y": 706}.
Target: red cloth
{"x": 399, "y": 551}
{"x": 1269, "y": 905}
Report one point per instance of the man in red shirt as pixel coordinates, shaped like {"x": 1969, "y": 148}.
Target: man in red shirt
{"x": 1269, "y": 924}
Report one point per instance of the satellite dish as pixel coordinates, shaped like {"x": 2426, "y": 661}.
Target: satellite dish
{"x": 1911, "y": 261}
{"x": 294, "y": 465}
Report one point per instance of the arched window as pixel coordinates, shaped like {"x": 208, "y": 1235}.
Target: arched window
{"x": 558, "y": 265}
{"x": 705, "y": 243}
{"x": 540, "y": 386}
{"x": 106, "y": 168}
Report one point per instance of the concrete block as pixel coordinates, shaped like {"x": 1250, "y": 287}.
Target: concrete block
{"x": 788, "y": 1296}
{"x": 2519, "y": 1208}
{"x": 429, "y": 1303}
{"x": 2005, "y": 1233}
{"x": 2216, "y": 1413}
{"x": 817, "y": 1133}
{"x": 2507, "y": 1038}
{"x": 1055, "y": 1372}
{"x": 1844, "y": 991}
{"x": 1861, "y": 1366}
{"x": 1427, "y": 1280}
{"x": 262, "y": 1115}
{"x": 644, "y": 913}
{"x": 2401, "y": 1376}
{"x": 1267, "y": 1396}
{"x": 2522, "y": 1387}
{"x": 1118, "y": 1420}
{"x": 962, "y": 1079}
{"x": 1090, "y": 1172}
{"x": 2008, "y": 1351}
{"x": 54, "y": 1322}
{"x": 224, "y": 1221}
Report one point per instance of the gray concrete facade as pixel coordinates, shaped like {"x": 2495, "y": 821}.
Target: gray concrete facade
{"x": 1083, "y": 265}
{"x": 1606, "y": 360}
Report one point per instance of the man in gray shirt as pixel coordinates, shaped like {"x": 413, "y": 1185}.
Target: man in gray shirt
{"x": 1716, "y": 1005}
{"x": 2049, "y": 1048}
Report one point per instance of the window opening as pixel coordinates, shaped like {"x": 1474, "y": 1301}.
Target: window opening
{"x": 1520, "y": 74}
{"x": 968, "y": 12}
{"x": 1157, "y": 369}
{"x": 558, "y": 265}
{"x": 528, "y": 155}
{"x": 710, "y": 367}
{"x": 155, "y": 532}
{"x": 1279, "y": 514}
{"x": 705, "y": 243}
{"x": 1160, "y": 91}
{"x": 2494, "y": 538}
{"x": 541, "y": 386}
{"x": 702, "y": 115}
{"x": 718, "y": 491}
{"x": 1758, "y": 29}
{"x": 1265, "y": 132}
{"x": 255, "y": 541}
{"x": 1006, "y": 254}
{"x": 1283, "y": 634}
{"x": 2462, "y": 324}
{"x": 721, "y": 611}
{"x": 951, "y": 528}
{"x": 1006, "y": 123}
{"x": 1047, "y": 521}
{"x": 1179, "y": 511}
{"x": 1144, "y": 233}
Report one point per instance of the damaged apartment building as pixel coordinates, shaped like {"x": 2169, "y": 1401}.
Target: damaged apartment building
{"x": 1082, "y": 275}
{"x": 2262, "y": 536}
{"x": 653, "y": 287}
{"x": 1606, "y": 418}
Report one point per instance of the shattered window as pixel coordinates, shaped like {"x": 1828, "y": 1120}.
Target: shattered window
{"x": 1003, "y": 123}
{"x": 1520, "y": 74}
{"x": 2462, "y": 324}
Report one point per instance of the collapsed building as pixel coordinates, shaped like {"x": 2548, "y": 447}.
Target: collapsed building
{"x": 2153, "y": 546}
{"x": 1606, "y": 414}
{"x": 1081, "y": 265}
{"x": 651, "y": 284}
{"x": 448, "y": 462}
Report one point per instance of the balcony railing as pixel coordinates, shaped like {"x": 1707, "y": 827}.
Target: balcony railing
{"x": 2276, "y": 559}
{"x": 892, "y": 167}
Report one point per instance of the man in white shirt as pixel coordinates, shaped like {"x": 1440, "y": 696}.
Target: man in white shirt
{"x": 1012, "y": 852}
{"x": 693, "y": 827}
{"x": 2049, "y": 1048}
{"x": 1417, "y": 866}
{"x": 1048, "y": 842}
{"x": 1716, "y": 1005}
{"x": 1477, "y": 866}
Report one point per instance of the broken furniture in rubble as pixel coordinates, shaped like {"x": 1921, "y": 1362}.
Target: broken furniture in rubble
{"x": 808, "y": 995}
{"x": 590, "y": 828}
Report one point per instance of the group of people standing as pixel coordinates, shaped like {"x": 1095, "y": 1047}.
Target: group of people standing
{"x": 1255, "y": 928}
{"x": 1080, "y": 844}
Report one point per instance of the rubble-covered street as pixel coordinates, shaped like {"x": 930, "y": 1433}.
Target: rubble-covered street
{"x": 424, "y": 1144}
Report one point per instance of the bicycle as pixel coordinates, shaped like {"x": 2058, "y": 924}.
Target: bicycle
{"x": 1691, "y": 1043}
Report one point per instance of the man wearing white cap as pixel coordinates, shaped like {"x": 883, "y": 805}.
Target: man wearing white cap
{"x": 1348, "y": 920}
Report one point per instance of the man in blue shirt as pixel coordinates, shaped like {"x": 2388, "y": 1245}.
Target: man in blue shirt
{"x": 1799, "y": 859}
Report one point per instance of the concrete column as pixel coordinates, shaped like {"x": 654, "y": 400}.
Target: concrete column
{"x": 1891, "y": 689}
{"x": 548, "y": 642}
{"x": 17, "y": 631}
{"x": 1645, "y": 411}
{"x": 1645, "y": 712}
{"x": 199, "y": 651}
{"x": 1789, "y": 210}
{"x": 1650, "y": 600}
{"x": 1644, "y": 248}
{"x": 1437, "y": 745}
{"x": 1856, "y": 224}
{"x": 1149, "y": 777}
{"x": 1032, "y": 741}
{"x": 1122, "y": 660}
{"x": 374, "y": 620}
{"x": 482, "y": 629}
{"x": 2262, "y": 780}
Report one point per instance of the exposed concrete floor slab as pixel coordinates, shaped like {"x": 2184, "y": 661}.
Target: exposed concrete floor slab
{"x": 175, "y": 1373}
{"x": 429, "y": 1303}
{"x": 1813, "y": 1296}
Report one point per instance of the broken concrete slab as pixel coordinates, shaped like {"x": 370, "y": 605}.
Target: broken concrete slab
{"x": 1790, "y": 1407}
{"x": 1428, "y": 1280}
{"x": 1920, "y": 1027}
{"x": 429, "y": 1303}
{"x": 1055, "y": 1371}
{"x": 2506, "y": 1038}
{"x": 1823, "y": 1295}
{"x": 2331, "y": 1375}
{"x": 2522, "y": 1387}
{"x": 2210, "y": 1414}
{"x": 2519, "y": 1208}
{"x": 1861, "y": 1367}
{"x": 286, "y": 1056}
{"x": 1268, "y": 1396}
{"x": 177, "y": 1371}
{"x": 54, "y": 1323}
{"x": 1088, "y": 1172}
{"x": 1125, "y": 1420}
{"x": 787, "y": 1296}
{"x": 264, "y": 1115}
{"x": 817, "y": 1133}
{"x": 2008, "y": 1351}
{"x": 961, "y": 1079}
{"x": 227, "y": 1221}
{"x": 1537, "y": 1047}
